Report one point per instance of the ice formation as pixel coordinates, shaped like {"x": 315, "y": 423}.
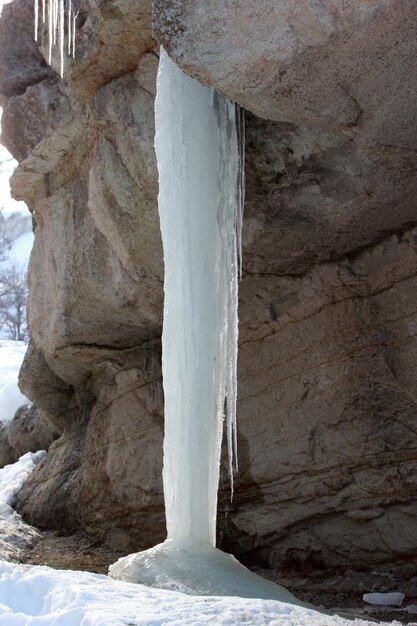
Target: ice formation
{"x": 200, "y": 206}
{"x": 54, "y": 13}
{"x": 198, "y": 161}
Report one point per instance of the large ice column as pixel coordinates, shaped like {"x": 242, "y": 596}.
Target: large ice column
{"x": 200, "y": 212}
{"x": 199, "y": 151}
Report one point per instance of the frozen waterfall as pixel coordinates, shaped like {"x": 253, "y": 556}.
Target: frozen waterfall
{"x": 199, "y": 153}
{"x": 198, "y": 161}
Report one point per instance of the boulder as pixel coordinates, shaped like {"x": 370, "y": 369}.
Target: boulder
{"x": 327, "y": 356}
{"x": 7, "y": 453}
{"x": 30, "y": 430}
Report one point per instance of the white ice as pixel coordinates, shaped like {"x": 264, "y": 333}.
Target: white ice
{"x": 393, "y": 598}
{"x": 198, "y": 162}
{"x": 11, "y": 357}
{"x": 60, "y": 18}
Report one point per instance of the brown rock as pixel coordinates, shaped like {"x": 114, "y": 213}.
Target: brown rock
{"x": 327, "y": 374}
{"x": 319, "y": 64}
{"x": 327, "y": 431}
{"x": 30, "y": 430}
{"x": 7, "y": 453}
{"x": 102, "y": 476}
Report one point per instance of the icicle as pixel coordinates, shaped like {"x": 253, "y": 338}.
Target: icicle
{"x": 55, "y": 5}
{"x": 200, "y": 224}
{"x": 73, "y": 34}
{"x": 36, "y": 7}
{"x": 232, "y": 212}
{"x": 69, "y": 21}
{"x": 53, "y": 12}
{"x": 240, "y": 114}
{"x": 62, "y": 35}
{"x": 50, "y": 27}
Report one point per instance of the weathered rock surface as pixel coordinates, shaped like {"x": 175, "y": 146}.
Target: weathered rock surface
{"x": 7, "y": 453}
{"x": 328, "y": 453}
{"x": 30, "y": 430}
{"x": 327, "y": 376}
{"x": 342, "y": 77}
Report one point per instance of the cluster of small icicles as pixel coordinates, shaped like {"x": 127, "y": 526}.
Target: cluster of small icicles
{"x": 54, "y": 13}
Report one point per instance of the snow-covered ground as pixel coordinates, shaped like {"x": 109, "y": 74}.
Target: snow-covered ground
{"x": 11, "y": 357}
{"x": 38, "y": 596}
{"x": 41, "y": 596}
{"x": 15, "y": 535}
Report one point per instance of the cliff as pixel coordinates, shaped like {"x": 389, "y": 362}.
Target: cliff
{"x": 327, "y": 404}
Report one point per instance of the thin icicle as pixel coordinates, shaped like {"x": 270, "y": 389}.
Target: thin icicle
{"x": 50, "y": 28}
{"x": 69, "y": 27}
{"x": 230, "y": 216}
{"x": 240, "y": 116}
{"x": 54, "y": 13}
{"x": 36, "y": 8}
{"x": 61, "y": 34}
{"x": 55, "y": 3}
{"x": 73, "y": 34}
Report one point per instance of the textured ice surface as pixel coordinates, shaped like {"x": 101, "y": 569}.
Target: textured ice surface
{"x": 198, "y": 162}
{"x": 39, "y": 596}
{"x": 60, "y": 17}
{"x": 196, "y": 568}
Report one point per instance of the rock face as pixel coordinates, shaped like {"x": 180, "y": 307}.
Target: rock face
{"x": 29, "y": 431}
{"x": 327, "y": 364}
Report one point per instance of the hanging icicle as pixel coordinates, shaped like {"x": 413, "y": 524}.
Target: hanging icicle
{"x": 57, "y": 15}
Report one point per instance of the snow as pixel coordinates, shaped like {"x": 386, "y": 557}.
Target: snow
{"x": 40, "y": 596}
{"x": 11, "y": 357}
{"x": 12, "y": 479}
{"x": 7, "y": 204}
{"x": 15, "y": 535}
{"x": 393, "y": 598}
{"x": 19, "y": 251}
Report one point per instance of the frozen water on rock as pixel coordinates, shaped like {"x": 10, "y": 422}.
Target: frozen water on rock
{"x": 198, "y": 162}
{"x": 200, "y": 207}
{"x": 11, "y": 356}
{"x": 60, "y": 17}
{"x": 393, "y": 598}
{"x": 196, "y": 568}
